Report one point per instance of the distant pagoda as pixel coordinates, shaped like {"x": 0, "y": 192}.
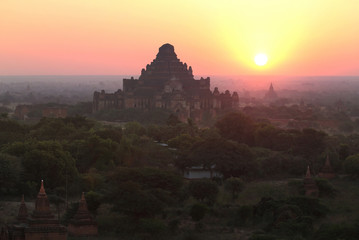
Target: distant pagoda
{"x": 83, "y": 224}
{"x": 310, "y": 186}
{"x": 271, "y": 94}
{"x": 327, "y": 170}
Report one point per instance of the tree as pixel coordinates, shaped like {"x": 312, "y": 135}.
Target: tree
{"x": 236, "y": 126}
{"x": 10, "y": 171}
{"x": 93, "y": 200}
{"x": 234, "y": 186}
{"x": 142, "y": 192}
{"x": 11, "y": 131}
{"x": 183, "y": 142}
{"x": 351, "y": 165}
{"x": 94, "y": 152}
{"x": 204, "y": 190}
{"x": 198, "y": 211}
{"x": 128, "y": 198}
{"x": 172, "y": 120}
{"x": 45, "y": 160}
{"x": 229, "y": 157}
{"x": 115, "y": 134}
{"x": 134, "y": 128}
{"x": 265, "y": 135}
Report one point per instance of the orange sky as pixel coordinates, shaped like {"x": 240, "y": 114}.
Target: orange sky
{"x": 217, "y": 37}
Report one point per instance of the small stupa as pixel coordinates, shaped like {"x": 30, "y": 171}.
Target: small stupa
{"x": 327, "y": 170}
{"x": 310, "y": 186}
{"x": 83, "y": 224}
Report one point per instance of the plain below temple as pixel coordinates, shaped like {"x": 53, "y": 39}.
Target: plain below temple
{"x": 167, "y": 83}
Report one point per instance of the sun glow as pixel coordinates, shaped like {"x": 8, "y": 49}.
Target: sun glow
{"x": 261, "y": 59}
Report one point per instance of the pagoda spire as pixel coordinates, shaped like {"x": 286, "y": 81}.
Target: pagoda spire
{"x": 327, "y": 170}
{"x": 42, "y": 224}
{"x": 83, "y": 203}
{"x": 82, "y": 224}
{"x": 310, "y": 186}
{"x": 271, "y": 87}
{"x": 22, "y": 215}
{"x": 42, "y": 204}
{"x": 42, "y": 189}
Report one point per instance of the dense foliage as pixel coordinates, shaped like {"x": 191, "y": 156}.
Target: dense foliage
{"x": 137, "y": 170}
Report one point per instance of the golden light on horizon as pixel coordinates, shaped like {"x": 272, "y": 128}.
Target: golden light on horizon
{"x": 96, "y": 37}
{"x": 261, "y": 59}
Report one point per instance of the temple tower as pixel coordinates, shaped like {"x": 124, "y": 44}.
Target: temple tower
{"x": 327, "y": 170}
{"x": 271, "y": 94}
{"x": 82, "y": 224}
{"x": 22, "y": 215}
{"x": 42, "y": 223}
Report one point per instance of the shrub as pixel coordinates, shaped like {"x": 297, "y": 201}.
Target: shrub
{"x": 325, "y": 188}
{"x": 198, "y": 211}
{"x": 204, "y": 190}
{"x": 263, "y": 237}
{"x": 93, "y": 200}
{"x": 234, "y": 186}
{"x": 336, "y": 231}
{"x": 309, "y": 206}
{"x": 351, "y": 165}
{"x": 153, "y": 227}
{"x": 243, "y": 216}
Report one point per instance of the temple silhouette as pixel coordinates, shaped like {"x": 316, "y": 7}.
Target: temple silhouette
{"x": 42, "y": 224}
{"x": 167, "y": 83}
{"x": 271, "y": 95}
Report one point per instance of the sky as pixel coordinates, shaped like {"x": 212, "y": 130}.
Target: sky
{"x": 215, "y": 37}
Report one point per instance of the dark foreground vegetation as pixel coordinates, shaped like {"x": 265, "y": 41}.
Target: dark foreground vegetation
{"x": 133, "y": 177}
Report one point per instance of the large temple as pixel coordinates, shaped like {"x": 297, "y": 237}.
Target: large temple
{"x": 167, "y": 83}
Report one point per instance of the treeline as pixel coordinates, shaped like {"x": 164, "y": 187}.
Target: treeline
{"x": 60, "y": 150}
{"x": 137, "y": 169}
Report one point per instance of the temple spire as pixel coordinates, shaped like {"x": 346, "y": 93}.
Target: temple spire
{"x": 271, "y": 94}
{"x": 327, "y": 170}
{"x": 22, "y": 214}
{"x": 42, "y": 189}
{"x": 82, "y": 223}
{"x": 83, "y": 203}
{"x": 310, "y": 185}
{"x": 42, "y": 205}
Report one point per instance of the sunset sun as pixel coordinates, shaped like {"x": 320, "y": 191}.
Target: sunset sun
{"x": 261, "y": 59}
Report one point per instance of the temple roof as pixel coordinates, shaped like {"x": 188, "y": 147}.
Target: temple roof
{"x": 166, "y": 67}
{"x": 166, "y": 52}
